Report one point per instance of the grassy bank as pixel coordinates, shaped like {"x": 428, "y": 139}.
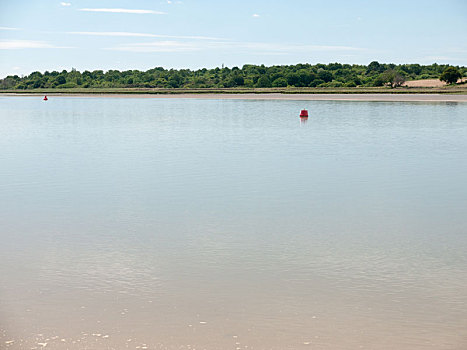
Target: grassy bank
{"x": 459, "y": 89}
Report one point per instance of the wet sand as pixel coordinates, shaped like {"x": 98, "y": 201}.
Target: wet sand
{"x": 396, "y": 97}
{"x": 329, "y": 97}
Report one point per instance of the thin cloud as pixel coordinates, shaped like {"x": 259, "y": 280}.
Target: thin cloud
{"x": 144, "y": 35}
{"x": 8, "y": 28}
{"x": 65, "y": 3}
{"x": 286, "y": 48}
{"x": 255, "y": 15}
{"x": 269, "y": 48}
{"x": 158, "y": 46}
{"x": 133, "y": 11}
{"x": 457, "y": 50}
{"x": 27, "y": 44}
{"x": 431, "y": 59}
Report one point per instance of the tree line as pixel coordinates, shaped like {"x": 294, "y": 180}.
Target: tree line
{"x": 249, "y": 76}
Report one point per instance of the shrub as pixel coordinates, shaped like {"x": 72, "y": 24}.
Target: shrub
{"x": 67, "y": 86}
{"x": 316, "y": 83}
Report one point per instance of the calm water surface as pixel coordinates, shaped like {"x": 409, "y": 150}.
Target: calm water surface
{"x": 229, "y": 224}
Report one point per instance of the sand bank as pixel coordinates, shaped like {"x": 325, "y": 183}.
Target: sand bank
{"x": 326, "y": 97}
{"x": 278, "y": 96}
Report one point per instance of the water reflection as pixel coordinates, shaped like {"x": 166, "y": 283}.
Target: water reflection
{"x": 145, "y": 230}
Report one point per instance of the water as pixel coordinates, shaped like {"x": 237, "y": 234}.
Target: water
{"x": 229, "y": 224}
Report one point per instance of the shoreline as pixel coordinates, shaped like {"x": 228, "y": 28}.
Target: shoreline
{"x": 378, "y": 97}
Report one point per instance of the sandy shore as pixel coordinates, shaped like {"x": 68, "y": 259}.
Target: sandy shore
{"x": 273, "y": 96}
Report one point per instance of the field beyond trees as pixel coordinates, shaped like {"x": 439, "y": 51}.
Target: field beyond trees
{"x": 299, "y": 78}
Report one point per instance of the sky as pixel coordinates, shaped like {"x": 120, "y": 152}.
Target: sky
{"x": 40, "y": 35}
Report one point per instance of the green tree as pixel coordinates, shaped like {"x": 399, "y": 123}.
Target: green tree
{"x": 60, "y": 79}
{"x": 450, "y": 75}
{"x": 299, "y": 75}
{"x": 324, "y": 75}
{"x": 391, "y": 77}
{"x": 229, "y": 83}
{"x": 317, "y": 82}
{"x": 305, "y": 77}
{"x": 174, "y": 82}
{"x": 279, "y": 82}
{"x": 7, "y": 83}
{"x": 263, "y": 82}
{"x": 238, "y": 79}
{"x": 293, "y": 79}
{"x": 380, "y": 80}
{"x": 374, "y": 67}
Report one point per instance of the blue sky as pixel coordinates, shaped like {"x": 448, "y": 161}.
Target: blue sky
{"x": 141, "y": 34}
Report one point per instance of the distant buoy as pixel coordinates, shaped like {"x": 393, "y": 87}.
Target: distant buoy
{"x": 45, "y": 98}
{"x": 303, "y": 113}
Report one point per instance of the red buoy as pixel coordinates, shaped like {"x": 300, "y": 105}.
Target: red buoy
{"x": 303, "y": 113}
{"x": 45, "y": 98}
